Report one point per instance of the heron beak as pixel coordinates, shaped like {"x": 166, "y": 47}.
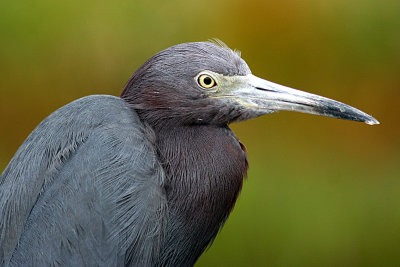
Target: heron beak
{"x": 264, "y": 96}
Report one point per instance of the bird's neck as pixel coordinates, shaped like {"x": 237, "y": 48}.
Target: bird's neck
{"x": 205, "y": 166}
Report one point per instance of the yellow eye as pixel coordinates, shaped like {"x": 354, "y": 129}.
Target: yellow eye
{"x": 206, "y": 81}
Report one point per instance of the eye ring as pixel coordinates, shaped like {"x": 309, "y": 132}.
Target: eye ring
{"x": 206, "y": 81}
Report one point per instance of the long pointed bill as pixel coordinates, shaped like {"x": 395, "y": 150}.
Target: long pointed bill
{"x": 256, "y": 93}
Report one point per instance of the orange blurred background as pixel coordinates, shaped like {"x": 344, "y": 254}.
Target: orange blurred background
{"x": 320, "y": 191}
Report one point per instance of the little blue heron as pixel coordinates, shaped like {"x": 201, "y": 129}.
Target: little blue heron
{"x": 145, "y": 179}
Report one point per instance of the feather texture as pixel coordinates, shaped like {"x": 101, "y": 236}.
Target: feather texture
{"x": 85, "y": 188}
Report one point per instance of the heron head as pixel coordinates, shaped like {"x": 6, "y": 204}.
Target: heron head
{"x": 208, "y": 83}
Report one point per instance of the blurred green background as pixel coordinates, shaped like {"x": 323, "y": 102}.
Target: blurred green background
{"x": 320, "y": 191}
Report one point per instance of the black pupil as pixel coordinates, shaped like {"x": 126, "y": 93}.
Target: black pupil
{"x": 207, "y": 81}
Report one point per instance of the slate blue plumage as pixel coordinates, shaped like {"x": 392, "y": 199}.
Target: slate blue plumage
{"x": 147, "y": 179}
{"x": 83, "y": 189}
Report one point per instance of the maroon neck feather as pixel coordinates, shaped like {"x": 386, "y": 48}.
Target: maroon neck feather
{"x": 205, "y": 166}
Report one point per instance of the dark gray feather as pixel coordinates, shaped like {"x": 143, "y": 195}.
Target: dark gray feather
{"x": 85, "y": 188}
